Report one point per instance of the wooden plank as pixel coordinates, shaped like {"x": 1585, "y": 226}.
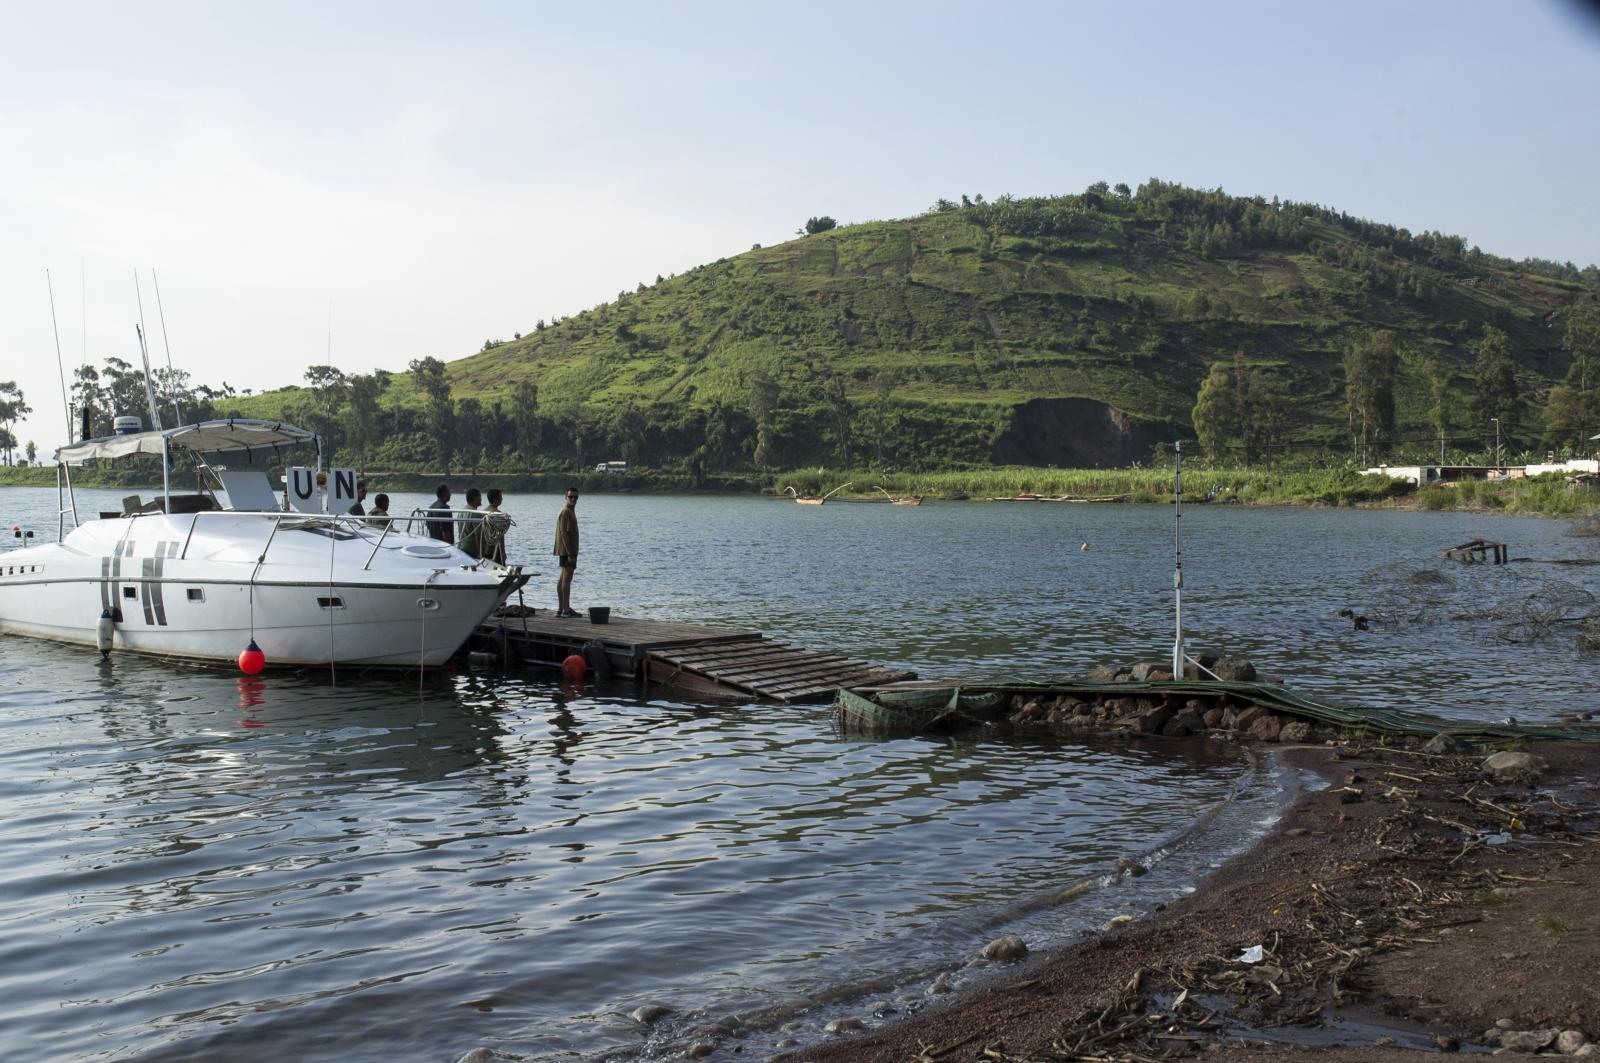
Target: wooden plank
{"x": 862, "y": 673}
{"x": 806, "y": 693}
{"x": 790, "y": 669}
{"x": 829, "y": 682}
{"x": 738, "y": 653}
{"x": 744, "y": 660}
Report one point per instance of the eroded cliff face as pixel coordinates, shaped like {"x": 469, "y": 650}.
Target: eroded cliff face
{"x": 1077, "y": 433}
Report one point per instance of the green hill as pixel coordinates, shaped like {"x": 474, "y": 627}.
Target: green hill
{"x": 1070, "y": 330}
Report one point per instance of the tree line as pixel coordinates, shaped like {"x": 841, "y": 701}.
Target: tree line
{"x": 1244, "y": 409}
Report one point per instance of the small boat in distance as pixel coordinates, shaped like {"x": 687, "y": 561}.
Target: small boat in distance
{"x": 814, "y": 500}
{"x": 227, "y": 568}
{"x": 906, "y": 500}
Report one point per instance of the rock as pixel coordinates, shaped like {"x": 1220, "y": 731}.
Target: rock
{"x": 1182, "y": 724}
{"x": 1028, "y": 712}
{"x": 1443, "y": 744}
{"x": 1266, "y": 728}
{"x": 1234, "y": 669}
{"x": 1151, "y": 721}
{"x": 1132, "y": 867}
{"x": 848, "y": 1024}
{"x": 1006, "y": 949}
{"x": 1569, "y": 1041}
{"x": 883, "y": 1008}
{"x": 1141, "y": 672}
{"x": 1527, "y": 1040}
{"x": 1349, "y": 795}
{"x": 1212, "y": 719}
{"x": 1230, "y": 717}
{"x": 941, "y": 984}
{"x": 1588, "y": 1051}
{"x": 1446, "y": 1043}
{"x": 1161, "y": 675}
{"x": 645, "y": 1014}
{"x": 1103, "y": 673}
{"x": 700, "y": 1050}
{"x": 1243, "y": 718}
{"x": 1507, "y": 767}
{"x": 1295, "y": 731}
{"x": 1504, "y": 1024}
{"x": 477, "y": 1055}
{"x": 1192, "y": 671}
{"x": 1118, "y": 920}
{"x": 787, "y": 1042}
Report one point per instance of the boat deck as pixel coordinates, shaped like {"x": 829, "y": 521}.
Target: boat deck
{"x": 707, "y": 661}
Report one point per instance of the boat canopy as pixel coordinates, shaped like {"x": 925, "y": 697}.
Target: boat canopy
{"x": 221, "y": 437}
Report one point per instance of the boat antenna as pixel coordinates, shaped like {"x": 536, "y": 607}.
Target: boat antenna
{"x": 144, "y": 355}
{"x": 83, "y": 330}
{"x": 66, "y": 405}
{"x": 1177, "y": 555}
{"x": 172, "y": 378}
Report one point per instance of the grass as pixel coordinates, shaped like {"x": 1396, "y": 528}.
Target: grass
{"x": 1331, "y": 487}
{"x": 967, "y": 313}
{"x": 1555, "y": 924}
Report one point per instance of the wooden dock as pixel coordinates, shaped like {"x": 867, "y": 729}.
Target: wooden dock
{"x": 708, "y": 661}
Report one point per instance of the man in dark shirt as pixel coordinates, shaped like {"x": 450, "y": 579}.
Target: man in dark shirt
{"x": 443, "y": 530}
{"x": 359, "y": 510}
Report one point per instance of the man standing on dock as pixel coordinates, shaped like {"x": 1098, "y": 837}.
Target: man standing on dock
{"x": 566, "y": 550}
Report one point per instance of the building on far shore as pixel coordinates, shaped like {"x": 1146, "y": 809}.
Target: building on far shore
{"x": 1421, "y": 475}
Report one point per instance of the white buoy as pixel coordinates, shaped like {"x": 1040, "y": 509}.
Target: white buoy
{"x": 104, "y": 631}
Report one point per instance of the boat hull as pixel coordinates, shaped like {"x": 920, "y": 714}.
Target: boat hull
{"x": 402, "y": 612}
{"x": 367, "y": 626}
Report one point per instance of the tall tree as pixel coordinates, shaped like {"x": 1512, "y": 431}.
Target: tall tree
{"x": 1495, "y": 395}
{"x": 1369, "y": 371}
{"x": 764, "y": 396}
{"x": 840, "y": 412}
{"x": 12, "y": 408}
{"x": 438, "y": 411}
{"x": 88, "y": 395}
{"x": 1439, "y": 410}
{"x": 329, "y": 394}
{"x": 525, "y": 416}
{"x": 1216, "y": 413}
{"x": 364, "y": 393}
{"x": 470, "y": 433}
{"x": 883, "y": 386}
{"x": 1578, "y": 406}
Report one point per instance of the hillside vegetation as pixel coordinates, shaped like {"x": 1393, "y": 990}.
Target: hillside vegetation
{"x": 1069, "y": 330}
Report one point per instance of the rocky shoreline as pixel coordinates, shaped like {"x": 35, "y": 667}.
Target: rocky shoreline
{"x": 1420, "y": 901}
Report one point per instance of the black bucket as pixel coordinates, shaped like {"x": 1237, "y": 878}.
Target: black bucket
{"x": 599, "y": 614}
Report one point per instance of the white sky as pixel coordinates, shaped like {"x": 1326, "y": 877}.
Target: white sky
{"x": 425, "y": 176}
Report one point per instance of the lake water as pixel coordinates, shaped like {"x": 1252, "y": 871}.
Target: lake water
{"x": 200, "y": 866}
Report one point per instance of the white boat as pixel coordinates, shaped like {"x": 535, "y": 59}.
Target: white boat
{"x": 204, "y": 575}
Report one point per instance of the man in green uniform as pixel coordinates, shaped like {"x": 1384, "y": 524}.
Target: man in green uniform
{"x": 566, "y": 551}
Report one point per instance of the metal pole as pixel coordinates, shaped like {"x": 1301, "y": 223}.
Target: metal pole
{"x": 1177, "y": 554}
{"x": 1496, "y": 421}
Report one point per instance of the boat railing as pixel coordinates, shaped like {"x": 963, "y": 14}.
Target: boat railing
{"x": 360, "y": 525}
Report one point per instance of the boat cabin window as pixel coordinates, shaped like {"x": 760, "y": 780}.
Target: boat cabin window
{"x": 130, "y": 592}
{"x": 197, "y": 594}
{"x": 334, "y": 602}
{"x": 248, "y": 490}
{"x": 319, "y": 529}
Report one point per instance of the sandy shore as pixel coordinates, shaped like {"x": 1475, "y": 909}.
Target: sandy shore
{"x": 1411, "y": 904}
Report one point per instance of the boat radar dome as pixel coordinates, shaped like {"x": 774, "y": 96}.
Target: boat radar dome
{"x": 127, "y": 426}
